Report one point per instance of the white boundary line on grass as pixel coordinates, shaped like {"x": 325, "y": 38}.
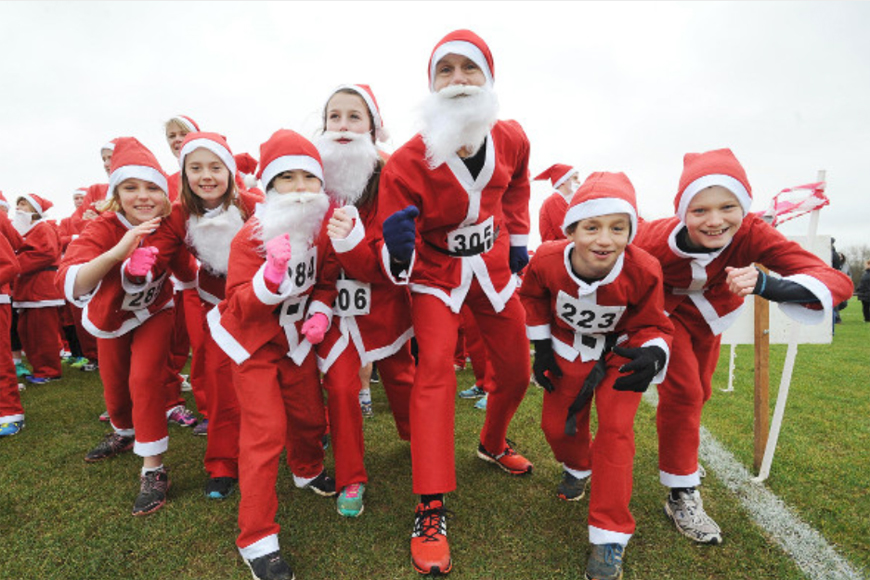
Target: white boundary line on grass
{"x": 807, "y": 547}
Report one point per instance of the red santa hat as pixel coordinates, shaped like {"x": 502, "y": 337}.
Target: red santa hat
{"x": 603, "y": 193}
{"x": 3, "y": 203}
{"x": 245, "y": 163}
{"x": 467, "y": 44}
{"x": 213, "y": 142}
{"x": 702, "y": 170}
{"x": 287, "y": 150}
{"x": 557, "y": 174}
{"x": 40, "y": 204}
{"x": 185, "y": 122}
{"x": 368, "y": 96}
{"x": 80, "y": 191}
{"x": 110, "y": 145}
{"x": 130, "y": 160}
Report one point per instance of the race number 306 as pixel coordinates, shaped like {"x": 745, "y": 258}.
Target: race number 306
{"x": 474, "y": 239}
{"x": 586, "y": 316}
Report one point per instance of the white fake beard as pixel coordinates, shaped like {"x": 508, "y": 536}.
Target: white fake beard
{"x": 210, "y": 236}
{"x": 22, "y": 221}
{"x": 298, "y": 214}
{"x": 451, "y": 122}
{"x": 347, "y": 167}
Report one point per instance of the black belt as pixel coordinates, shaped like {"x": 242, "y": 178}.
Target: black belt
{"x": 461, "y": 253}
{"x": 593, "y": 379}
{"x": 49, "y": 269}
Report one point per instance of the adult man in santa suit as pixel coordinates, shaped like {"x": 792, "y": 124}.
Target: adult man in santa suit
{"x": 455, "y": 200}
{"x": 565, "y": 182}
{"x": 11, "y": 411}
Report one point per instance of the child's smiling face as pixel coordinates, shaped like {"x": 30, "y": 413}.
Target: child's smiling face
{"x": 713, "y": 217}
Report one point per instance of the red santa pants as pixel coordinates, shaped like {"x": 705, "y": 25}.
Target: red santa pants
{"x": 87, "y": 341}
{"x": 687, "y": 386}
{"x": 434, "y": 392}
{"x": 10, "y": 401}
{"x": 197, "y": 331}
{"x": 132, "y": 368}
{"x": 480, "y": 364}
{"x": 611, "y": 453}
{"x": 281, "y": 405}
{"x": 222, "y": 449}
{"x": 39, "y": 329}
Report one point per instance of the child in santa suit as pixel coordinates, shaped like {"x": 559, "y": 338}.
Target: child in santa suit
{"x": 35, "y": 294}
{"x": 11, "y": 411}
{"x": 122, "y": 285}
{"x": 565, "y": 181}
{"x": 373, "y": 315}
{"x": 708, "y": 253}
{"x": 455, "y": 205}
{"x": 582, "y": 296}
{"x": 212, "y": 211}
{"x": 279, "y": 291}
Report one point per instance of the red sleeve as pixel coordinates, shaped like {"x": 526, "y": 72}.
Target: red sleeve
{"x": 515, "y": 201}
{"x": 9, "y": 267}
{"x": 41, "y": 249}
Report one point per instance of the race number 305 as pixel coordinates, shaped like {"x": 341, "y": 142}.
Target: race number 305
{"x": 474, "y": 239}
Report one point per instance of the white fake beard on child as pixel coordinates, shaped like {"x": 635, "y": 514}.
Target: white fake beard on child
{"x": 298, "y": 214}
{"x": 22, "y": 221}
{"x": 211, "y": 234}
{"x": 457, "y": 116}
{"x": 347, "y": 167}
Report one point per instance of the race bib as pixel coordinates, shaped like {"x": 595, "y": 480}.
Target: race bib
{"x": 302, "y": 271}
{"x": 472, "y": 240}
{"x": 292, "y": 310}
{"x": 586, "y": 316}
{"x": 354, "y": 298}
{"x": 145, "y": 297}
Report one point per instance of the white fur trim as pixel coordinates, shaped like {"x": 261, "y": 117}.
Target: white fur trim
{"x": 32, "y": 201}
{"x": 726, "y": 181}
{"x": 672, "y": 481}
{"x": 289, "y": 163}
{"x": 564, "y": 178}
{"x": 356, "y": 235}
{"x": 262, "y": 292}
{"x": 37, "y": 303}
{"x": 12, "y": 418}
{"x": 261, "y": 547}
{"x": 143, "y": 172}
{"x": 600, "y": 536}
{"x": 598, "y": 207}
{"x": 130, "y": 287}
{"x": 222, "y": 152}
{"x": 660, "y": 342}
{"x": 805, "y": 315}
{"x": 405, "y": 275}
{"x": 5, "y": 299}
{"x": 151, "y": 448}
{"x": 540, "y": 332}
{"x": 224, "y": 339}
{"x": 463, "y": 48}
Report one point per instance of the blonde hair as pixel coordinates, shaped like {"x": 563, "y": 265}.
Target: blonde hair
{"x": 113, "y": 203}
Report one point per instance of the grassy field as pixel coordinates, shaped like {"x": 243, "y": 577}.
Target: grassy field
{"x": 62, "y": 518}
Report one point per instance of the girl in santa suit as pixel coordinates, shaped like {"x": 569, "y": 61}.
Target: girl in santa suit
{"x": 708, "y": 253}
{"x": 11, "y": 411}
{"x": 36, "y": 296}
{"x": 212, "y": 212}
{"x": 123, "y": 287}
{"x": 373, "y": 320}
{"x": 279, "y": 291}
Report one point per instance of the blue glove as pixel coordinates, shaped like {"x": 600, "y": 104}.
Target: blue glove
{"x": 519, "y": 258}
{"x": 400, "y": 233}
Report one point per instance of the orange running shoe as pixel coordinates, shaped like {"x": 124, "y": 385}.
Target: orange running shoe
{"x": 509, "y": 460}
{"x": 430, "y": 552}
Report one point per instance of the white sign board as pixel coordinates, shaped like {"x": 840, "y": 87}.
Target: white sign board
{"x": 781, "y": 326}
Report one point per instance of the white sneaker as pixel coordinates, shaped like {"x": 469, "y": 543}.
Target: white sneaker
{"x": 687, "y": 513}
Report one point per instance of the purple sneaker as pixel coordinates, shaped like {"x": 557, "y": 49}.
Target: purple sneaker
{"x": 182, "y": 416}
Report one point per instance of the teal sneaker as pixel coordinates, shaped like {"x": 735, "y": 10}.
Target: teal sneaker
{"x": 9, "y": 429}
{"x": 350, "y": 500}
{"x": 474, "y": 392}
{"x": 79, "y": 362}
{"x": 605, "y": 562}
{"x": 21, "y": 370}
{"x": 481, "y": 404}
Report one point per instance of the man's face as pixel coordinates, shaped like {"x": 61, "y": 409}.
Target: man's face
{"x": 455, "y": 69}
{"x": 78, "y": 199}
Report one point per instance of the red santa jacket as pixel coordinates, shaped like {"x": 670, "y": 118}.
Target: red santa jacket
{"x": 39, "y": 258}
{"x": 551, "y": 216}
{"x": 577, "y": 316}
{"x": 8, "y": 231}
{"x": 117, "y": 305}
{"x": 95, "y": 194}
{"x": 699, "y": 280}
{"x": 9, "y": 270}
{"x": 252, "y": 315}
{"x": 480, "y": 217}
{"x": 373, "y": 314}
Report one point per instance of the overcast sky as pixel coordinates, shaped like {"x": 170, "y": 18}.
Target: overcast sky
{"x": 616, "y": 86}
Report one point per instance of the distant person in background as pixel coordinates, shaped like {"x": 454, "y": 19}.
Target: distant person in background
{"x": 565, "y": 181}
{"x": 863, "y": 291}
{"x": 11, "y": 410}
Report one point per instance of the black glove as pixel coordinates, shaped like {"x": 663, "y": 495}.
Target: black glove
{"x": 646, "y": 362}
{"x": 545, "y": 360}
{"x": 519, "y": 258}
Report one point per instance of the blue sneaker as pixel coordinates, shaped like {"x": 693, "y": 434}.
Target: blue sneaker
{"x": 9, "y": 429}
{"x": 40, "y": 380}
{"x": 605, "y": 562}
{"x": 474, "y": 392}
{"x": 220, "y": 487}
{"x": 481, "y": 404}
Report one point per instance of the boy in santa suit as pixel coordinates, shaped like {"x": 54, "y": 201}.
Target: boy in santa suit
{"x": 11, "y": 411}
{"x": 455, "y": 205}
{"x": 373, "y": 315}
{"x": 565, "y": 181}
{"x": 279, "y": 292}
{"x": 122, "y": 285}
{"x": 36, "y": 295}
{"x": 708, "y": 253}
{"x": 582, "y": 296}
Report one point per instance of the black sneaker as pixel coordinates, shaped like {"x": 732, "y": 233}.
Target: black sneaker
{"x": 322, "y": 485}
{"x": 220, "y": 487}
{"x": 112, "y": 445}
{"x": 152, "y": 492}
{"x": 270, "y": 567}
{"x": 571, "y": 488}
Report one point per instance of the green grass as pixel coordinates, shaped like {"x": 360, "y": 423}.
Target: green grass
{"x": 62, "y": 518}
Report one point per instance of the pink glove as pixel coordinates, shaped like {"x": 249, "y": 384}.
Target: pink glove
{"x": 141, "y": 261}
{"x": 277, "y": 257}
{"x": 315, "y": 327}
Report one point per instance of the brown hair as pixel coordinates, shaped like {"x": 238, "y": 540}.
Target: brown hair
{"x": 372, "y": 129}
{"x": 193, "y": 204}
